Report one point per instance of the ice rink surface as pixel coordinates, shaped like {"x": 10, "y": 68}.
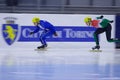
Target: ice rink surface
{"x": 59, "y": 63}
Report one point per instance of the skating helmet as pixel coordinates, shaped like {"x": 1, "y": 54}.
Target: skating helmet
{"x": 87, "y": 19}
{"x": 35, "y": 20}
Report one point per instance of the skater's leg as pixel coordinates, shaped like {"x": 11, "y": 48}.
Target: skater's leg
{"x": 108, "y": 34}
{"x": 96, "y": 33}
{"x": 43, "y": 38}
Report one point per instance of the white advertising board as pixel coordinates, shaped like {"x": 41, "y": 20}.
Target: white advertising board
{"x": 60, "y": 20}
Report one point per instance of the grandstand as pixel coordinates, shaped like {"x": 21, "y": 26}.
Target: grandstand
{"x": 61, "y": 6}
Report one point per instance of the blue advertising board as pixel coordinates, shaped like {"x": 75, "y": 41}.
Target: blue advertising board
{"x": 65, "y": 34}
{"x": 117, "y": 30}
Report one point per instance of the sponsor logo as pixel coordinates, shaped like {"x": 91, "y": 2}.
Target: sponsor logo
{"x": 10, "y": 30}
{"x": 65, "y": 34}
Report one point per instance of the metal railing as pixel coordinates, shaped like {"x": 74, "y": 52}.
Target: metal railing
{"x": 65, "y": 8}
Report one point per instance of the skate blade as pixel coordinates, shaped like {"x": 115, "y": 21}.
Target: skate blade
{"x": 95, "y": 50}
{"x": 42, "y": 49}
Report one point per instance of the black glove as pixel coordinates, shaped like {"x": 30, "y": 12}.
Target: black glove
{"x": 55, "y": 34}
{"x": 111, "y": 21}
{"x": 101, "y": 16}
{"x": 31, "y": 33}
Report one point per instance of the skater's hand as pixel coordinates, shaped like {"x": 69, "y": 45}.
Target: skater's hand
{"x": 111, "y": 21}
{"x": 101, "y": 16}
{"x": 31, "y": 33}
{"x": 55, "y": 34}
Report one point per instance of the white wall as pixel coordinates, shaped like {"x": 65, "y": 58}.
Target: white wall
{"x": 57, "y": 20}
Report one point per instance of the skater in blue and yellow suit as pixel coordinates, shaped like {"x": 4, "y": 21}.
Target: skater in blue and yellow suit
{"x": 48, "y": 30}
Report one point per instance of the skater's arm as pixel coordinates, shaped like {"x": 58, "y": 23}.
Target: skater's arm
{"x": 100, "y": 17}
{"x": 55, "y": 33}
{"x": 35, "y": 31}
{"x": 107, "y": 20}
{"x": 41, "y": 27}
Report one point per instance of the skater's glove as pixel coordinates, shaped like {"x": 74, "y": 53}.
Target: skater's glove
{"x": 111, "y": 21}
{"x": 55, "y": 34}
{"x": 31, "y": 33}
{"x": 101, "y": 16}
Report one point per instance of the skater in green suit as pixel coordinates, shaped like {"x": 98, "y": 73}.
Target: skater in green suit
{"x": 105, "y": 26}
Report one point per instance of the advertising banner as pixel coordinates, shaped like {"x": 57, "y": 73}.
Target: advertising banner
{"x": 117, "y": 30}
{"x": 65, "y": 34}
{"x": 16, "y": 28}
